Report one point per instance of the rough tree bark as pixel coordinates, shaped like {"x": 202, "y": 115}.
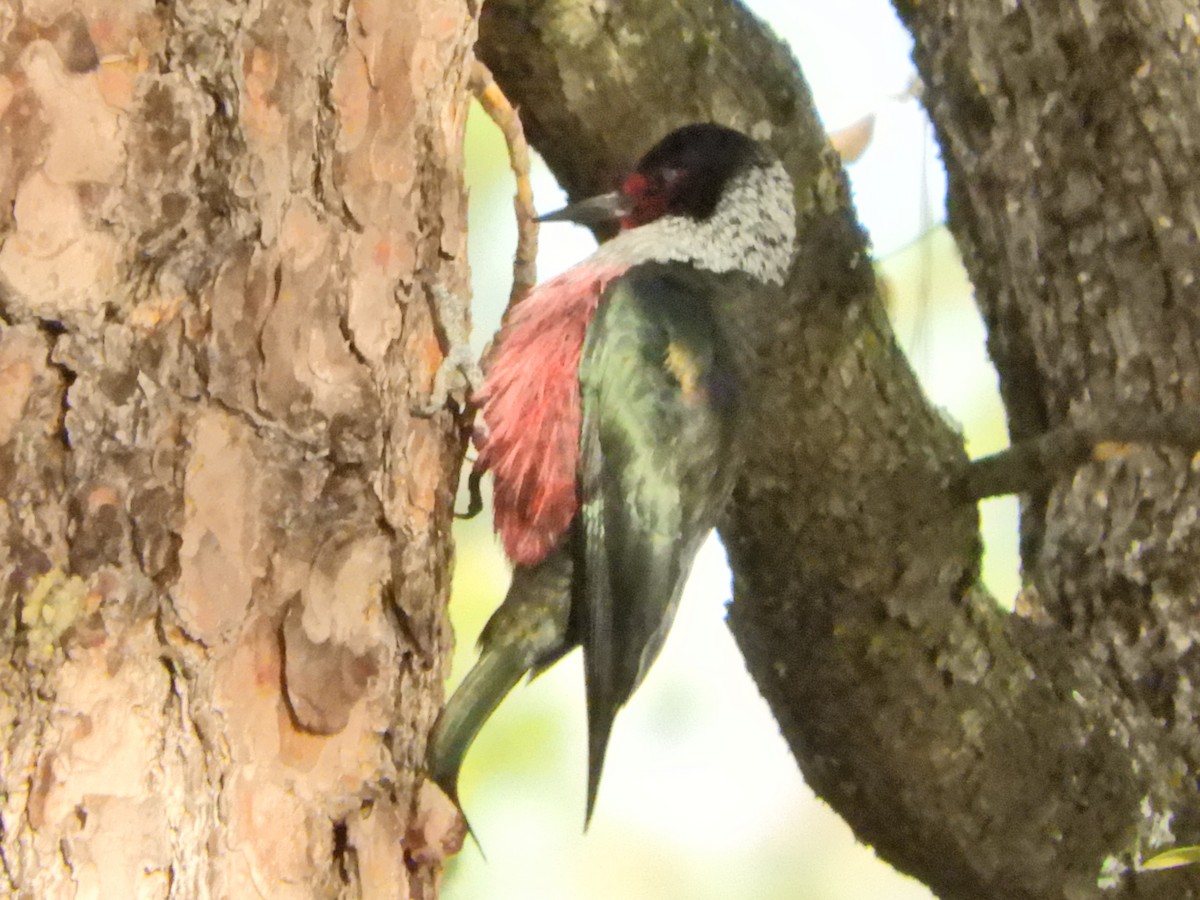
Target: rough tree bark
{"x": 232, "y": 251}
{"x": 1040, "y": 755}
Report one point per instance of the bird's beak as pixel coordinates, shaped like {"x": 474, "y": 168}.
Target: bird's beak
{"x": 601, "y": 210}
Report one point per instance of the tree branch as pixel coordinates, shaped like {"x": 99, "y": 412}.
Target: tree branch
{"x": 1037, "y": 463}
{"x": 980, "y": 752}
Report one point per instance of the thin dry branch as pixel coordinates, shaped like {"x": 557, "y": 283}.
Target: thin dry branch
{"x": 504, "y": 114}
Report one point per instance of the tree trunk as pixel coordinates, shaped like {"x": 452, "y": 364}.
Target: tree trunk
{"x": 231, "y": 267}
{"x": 1041, "y": 755}
{"x": 233, "y": 253}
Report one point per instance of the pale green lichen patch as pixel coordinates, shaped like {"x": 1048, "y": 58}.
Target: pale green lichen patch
{"x": 51, "y": 607}
{"x": 1111, "y": 871}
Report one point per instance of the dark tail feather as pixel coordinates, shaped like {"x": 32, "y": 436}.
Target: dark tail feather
{"x": 600, "y": 723}
{"x": 528, "y": 631}
{"x": 488, "y": 683}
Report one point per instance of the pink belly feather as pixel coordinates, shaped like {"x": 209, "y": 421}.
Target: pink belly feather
{"x": 531, "y": 412}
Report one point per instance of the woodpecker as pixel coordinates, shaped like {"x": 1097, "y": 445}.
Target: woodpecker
{"x": 609, "y": 411}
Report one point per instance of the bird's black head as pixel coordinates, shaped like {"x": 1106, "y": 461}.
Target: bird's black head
{"x": 686, "y": 173}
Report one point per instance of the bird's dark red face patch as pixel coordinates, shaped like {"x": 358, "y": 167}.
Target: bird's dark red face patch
{"x": 648, "y": 198}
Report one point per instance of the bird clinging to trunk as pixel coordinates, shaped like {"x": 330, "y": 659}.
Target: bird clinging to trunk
{"x": 610, "y": 416}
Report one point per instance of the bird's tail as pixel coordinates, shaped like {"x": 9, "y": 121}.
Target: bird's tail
{"x": 600, "y": 723}
{"x": 527, "y": 632}
{"x": 486, "y": 685}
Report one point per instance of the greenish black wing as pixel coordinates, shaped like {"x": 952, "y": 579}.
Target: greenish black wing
{"x": 657, "y": 398}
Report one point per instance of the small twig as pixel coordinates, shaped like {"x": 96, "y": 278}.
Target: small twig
{"x": 500, "y": 111}
{"x": 459, "y": 369}
{"x": 1035, "y": 463}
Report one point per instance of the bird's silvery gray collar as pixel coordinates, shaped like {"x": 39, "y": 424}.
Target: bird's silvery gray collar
{"x": 752, "y": 230}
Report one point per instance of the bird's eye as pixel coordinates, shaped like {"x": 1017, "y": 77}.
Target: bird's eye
{"x": 671, "y": 177}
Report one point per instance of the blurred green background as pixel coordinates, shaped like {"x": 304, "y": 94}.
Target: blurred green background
{"x": 700, "y": 798}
